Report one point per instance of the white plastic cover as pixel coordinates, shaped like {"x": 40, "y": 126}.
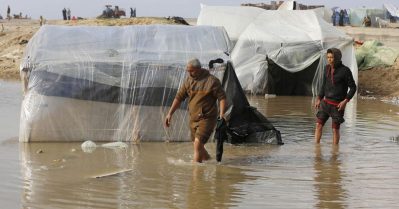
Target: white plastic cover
{"x": 111, "y": 83}
{"x": 291, "y": 39}
{"x": 392, "y": 9}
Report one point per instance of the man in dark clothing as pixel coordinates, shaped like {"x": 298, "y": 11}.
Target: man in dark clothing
{"x": 341, "y": 18}
{"x": 64, "y": 14}
{"x": 8, "y": 13}
{"x": 334, "y": 95}
{"x": 202, "y": 90}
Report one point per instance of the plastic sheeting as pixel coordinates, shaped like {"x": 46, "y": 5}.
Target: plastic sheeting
{"x": 116, "y": 83}
{"x": 293, "y": 40}
{"x": 374, "y": 54}
{"x": 234, "y": 19}
{"x": 393, "y": 10}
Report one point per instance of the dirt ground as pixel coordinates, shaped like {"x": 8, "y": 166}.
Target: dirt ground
{"x": 14, "y": 35}
{"x": 380, "y": 81}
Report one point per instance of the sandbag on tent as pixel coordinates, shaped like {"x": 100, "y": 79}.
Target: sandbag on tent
{"x": 112, "y": 83}
{"x": 293, "y": 40}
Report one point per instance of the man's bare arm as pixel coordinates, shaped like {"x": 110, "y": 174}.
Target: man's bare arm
{"x": 222, "y": 106}
{"x": 176, "y": 104}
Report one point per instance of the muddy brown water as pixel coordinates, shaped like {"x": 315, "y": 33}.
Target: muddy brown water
{"x": 362, "y": 172}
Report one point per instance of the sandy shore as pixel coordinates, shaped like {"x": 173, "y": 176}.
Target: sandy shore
{"x": 14, "y": 35}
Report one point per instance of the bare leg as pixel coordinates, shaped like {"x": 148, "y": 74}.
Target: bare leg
{"x": 318, "y": 132}
{"x": 200, "y": 153}
{"x": 336, "y": 136}
{"x": 197, "y": 151}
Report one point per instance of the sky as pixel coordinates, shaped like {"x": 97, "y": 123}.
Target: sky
{"x": 52, "y": 9}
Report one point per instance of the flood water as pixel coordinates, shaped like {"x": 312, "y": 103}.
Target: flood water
{"x": 362, "y": 172}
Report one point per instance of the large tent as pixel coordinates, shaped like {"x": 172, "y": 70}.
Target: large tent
{"x": 117, "y": 83}
{"x": 279, "y": 52}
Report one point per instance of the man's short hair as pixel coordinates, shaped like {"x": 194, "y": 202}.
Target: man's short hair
{"x": 195, "y": 63}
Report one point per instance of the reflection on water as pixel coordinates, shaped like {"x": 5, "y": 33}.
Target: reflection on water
{"x": 361, "y": 173}
{"x": 328, "y": 179}
{"x": 63, "y": 174}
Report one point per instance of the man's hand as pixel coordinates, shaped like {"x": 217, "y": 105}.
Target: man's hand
{"x": 341, "y": 106}
{"x": 317, "y": 103}
{"x": 168, "y": 120}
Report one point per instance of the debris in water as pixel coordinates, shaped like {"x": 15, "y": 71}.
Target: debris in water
{"x": 88, "y": 146}
{"x": 112, "y": 173}
{"x": 115, "y": 145}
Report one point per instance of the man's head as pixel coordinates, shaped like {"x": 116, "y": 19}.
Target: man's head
{"x": 334, "y": 56}
{"x": 194, "y": 67}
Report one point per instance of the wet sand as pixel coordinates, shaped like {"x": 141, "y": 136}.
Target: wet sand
{"x": 360, "y": 173}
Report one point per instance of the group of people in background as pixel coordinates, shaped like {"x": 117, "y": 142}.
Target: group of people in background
{"x": 15, "y": 16}
{"x": 340, "y": 18}
{"x": 66, "y": 14}
{"x": 132, "y": 12}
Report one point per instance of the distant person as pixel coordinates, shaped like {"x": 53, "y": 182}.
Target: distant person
{"x": 346, "y": 17}
{"x": 333, "y": 18}
{"x": 69, "y": 14}
{"x": 42, "y": 20}
{"x": 8, "y": 12}
{"x": 341, "y": 18}
{"x": 64, "y": 14}
{"x": 337, "y": 17}
{"x": 367, "y": 21}
{"x": 131, "y": 12}
{"x": 333, "y": 95}
{"x": 202, "y": 90}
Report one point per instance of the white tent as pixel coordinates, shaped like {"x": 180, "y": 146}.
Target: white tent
{"x": 117, "y": 84}
{"x": 281, "y": 52}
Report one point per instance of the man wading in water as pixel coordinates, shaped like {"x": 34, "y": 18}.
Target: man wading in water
{"x": 334, "y": 95}
{"x": 202, "y": 90}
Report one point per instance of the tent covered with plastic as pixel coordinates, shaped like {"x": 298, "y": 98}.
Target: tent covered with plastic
{"x": 117, "y": 84}
{"x": 356, "y": 16}
{"x": 279, "y": 52}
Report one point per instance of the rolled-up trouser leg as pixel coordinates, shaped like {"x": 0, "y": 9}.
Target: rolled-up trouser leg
{"x": 202, "y": 129}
